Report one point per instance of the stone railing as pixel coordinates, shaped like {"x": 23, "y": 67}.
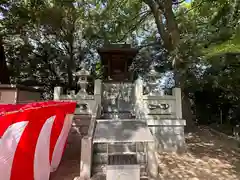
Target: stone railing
{"x": 87, "y": 146}
{"x": 163, "y": 114}
{"x": 166, "y": 106}
{"x": 85, "y": 102}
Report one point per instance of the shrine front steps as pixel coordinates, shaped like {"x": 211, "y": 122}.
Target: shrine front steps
{"x": 81, "y": 124}
{"x": 100, "y": 169}
{"x": 118, "y": 115}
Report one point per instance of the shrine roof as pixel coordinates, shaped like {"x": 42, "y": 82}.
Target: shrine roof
{"x": 116, "y": 54}
{"x": 116, "y": 50}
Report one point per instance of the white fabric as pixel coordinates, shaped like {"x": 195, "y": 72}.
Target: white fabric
{"x": 41, "y": 158}
{"x": 59, "y": 147}
{"x": 8, "y": 146}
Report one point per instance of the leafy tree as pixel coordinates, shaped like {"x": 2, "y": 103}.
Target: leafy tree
{"x": 4, "y": 78}
{"x": 45, "y": 42}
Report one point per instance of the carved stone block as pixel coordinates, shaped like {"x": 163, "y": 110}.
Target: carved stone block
{"x": 170, "y": 135}
{"x": 161, "y": 107}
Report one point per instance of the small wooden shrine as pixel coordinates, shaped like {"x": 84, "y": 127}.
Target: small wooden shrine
{"x": 116, "y": 59}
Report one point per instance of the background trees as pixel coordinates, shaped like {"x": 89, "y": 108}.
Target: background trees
{"x": 43, "y": 43}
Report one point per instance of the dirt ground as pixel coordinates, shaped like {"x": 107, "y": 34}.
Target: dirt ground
{"x": 69, "y": 167}
{"x": 209, "y": 157}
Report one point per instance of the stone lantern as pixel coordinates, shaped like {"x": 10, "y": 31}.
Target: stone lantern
{"x": 153, "y": 82}
{"x": 82, "y": 75}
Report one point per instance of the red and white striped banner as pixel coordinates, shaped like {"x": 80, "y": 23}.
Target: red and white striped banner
{"x": 33, "y": 137}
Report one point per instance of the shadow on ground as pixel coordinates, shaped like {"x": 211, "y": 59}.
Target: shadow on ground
{"x": 70, "y": 163}
{"x": 209, "y": 157}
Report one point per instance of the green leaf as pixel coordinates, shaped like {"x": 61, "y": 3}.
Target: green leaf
{"x": 230, "y": 46}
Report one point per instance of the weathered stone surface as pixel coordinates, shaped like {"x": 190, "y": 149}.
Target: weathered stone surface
{"x": 170, "y": 138}
{"x": 161, "y": 114}
{"x": 81, "y": 123}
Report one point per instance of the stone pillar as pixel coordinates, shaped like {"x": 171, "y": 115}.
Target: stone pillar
{"x": 152, "y": 164}
{"x": 138, "y": 88}
{"x": 138, "y": 98}
{"x": 98, "y": 90}
{"x": 86, "y": 158}
{"x": 178, "y": 96}
{"x": 57, "y": 93}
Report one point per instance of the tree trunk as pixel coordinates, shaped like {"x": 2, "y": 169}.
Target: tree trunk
{"x": 187, "y": 111}
{"x": 4, "y": 72}
{"x": 171, "y": 38}
{"x": 71, "y": 65}
{"x": 70, "y": 75}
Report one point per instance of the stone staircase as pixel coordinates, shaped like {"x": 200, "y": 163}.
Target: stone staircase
{"x": 81, "y": 124}
{"x": 101, "y": 152}
{"x": 120, "y": 115}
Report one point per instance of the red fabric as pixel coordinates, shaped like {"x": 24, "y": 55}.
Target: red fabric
{"x": 9, "y": 107}
{"x": 27, "y": 144}
{"x": 37, "y": 114}
{"x": 58, "y": 124}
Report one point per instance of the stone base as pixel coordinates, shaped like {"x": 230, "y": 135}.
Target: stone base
{"x": 169, "y": 134}
{"x": 120, "y": 115}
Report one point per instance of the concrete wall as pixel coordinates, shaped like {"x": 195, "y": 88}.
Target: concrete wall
{"x": 8, "y": 96}
{"x": 27, "y": 96}
{"x": 12, "y": 95}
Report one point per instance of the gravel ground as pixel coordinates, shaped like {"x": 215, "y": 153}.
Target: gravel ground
{"x": 209, "y": 157}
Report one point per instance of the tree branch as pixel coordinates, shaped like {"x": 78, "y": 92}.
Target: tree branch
{"x": 49, "y": 66}
{"x": 197, "y": 6}
{"x": 177, "y": 3}
{"x": 157, "y": 13}
{"x": 138, "y": 23}
{"x": 148, "y": 45}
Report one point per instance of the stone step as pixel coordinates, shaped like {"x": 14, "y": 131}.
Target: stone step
{"x": 113, "y": 148}
{"x": 98, "y": 169}
{"x": 81, "y": 123}
{"x": 122, "y": 159}
{"x": 112, "y": 115}
{"x": 82, "y": 130}
{"x": 101, "y": 169}
{"x": 102, "y": 158}
{"x": 82, "y": 116}
{"x": 161, "y": 116}
{"x": 101, "y": 176}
